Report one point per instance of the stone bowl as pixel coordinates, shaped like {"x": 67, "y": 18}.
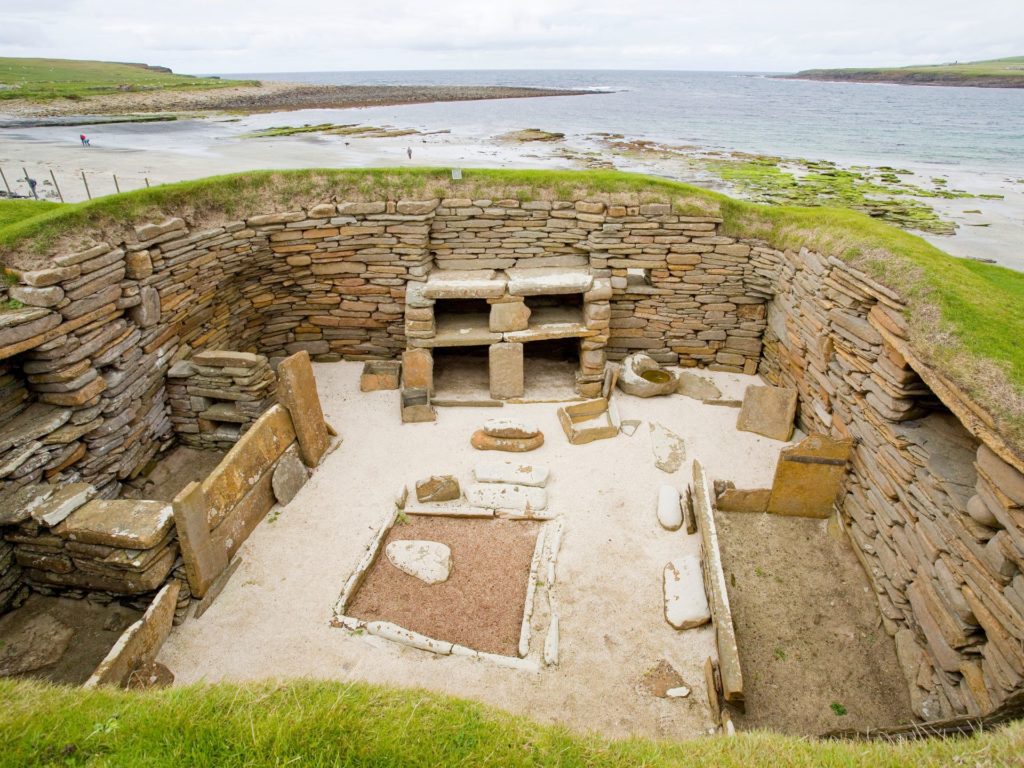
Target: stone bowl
{"x": 642, "y": 376}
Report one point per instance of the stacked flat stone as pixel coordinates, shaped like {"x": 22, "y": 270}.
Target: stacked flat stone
{"x": 217, "y": 395}
{"x": 932, "y": 512}
{"x": 69, "y": 541}
{"x": 90, "y": 358}
{"x": 507, "y": 435}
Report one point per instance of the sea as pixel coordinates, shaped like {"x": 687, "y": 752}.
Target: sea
{"x": 973, "y": 129}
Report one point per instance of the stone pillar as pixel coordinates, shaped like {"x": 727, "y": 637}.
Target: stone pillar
{"x": 506, "y": 370}
{"x": 418, "y": 369}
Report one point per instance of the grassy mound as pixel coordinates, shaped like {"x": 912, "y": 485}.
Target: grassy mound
{"x": 46, "y": 79}
{"x": 13, "y": 211}
{"x": 965, "y": 316}
{"x": 353, "y": 724}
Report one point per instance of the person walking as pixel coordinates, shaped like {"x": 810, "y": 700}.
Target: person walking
{"x": 83, "y": 140}
{"x": 408, "y": 151}
{"x": 32, "y": 186}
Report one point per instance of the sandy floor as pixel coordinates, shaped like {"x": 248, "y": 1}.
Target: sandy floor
{"x": 815, "y": 657}
{"x": 272, "y": 620}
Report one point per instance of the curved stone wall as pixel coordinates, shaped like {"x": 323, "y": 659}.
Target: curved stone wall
{"x": 934, "y": 503}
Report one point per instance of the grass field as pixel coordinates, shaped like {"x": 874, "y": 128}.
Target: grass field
{"x": 964, "y": 317}
{"x": 994, "y": 73}
{"x": 47, "y": 79}
{"x": 311, "y": 724}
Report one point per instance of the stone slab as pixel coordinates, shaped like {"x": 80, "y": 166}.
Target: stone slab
{"x": 379, "y": 374}
{"x": 697, "y": 387}
{"x": 62, "y": 503}
{"x": 768, "y": 411}
{"x": 290, "y": 474}
{"x": 140, "y": 643}
{"x": 670, "y": 512}
{"x": 514, "y": 472}
{"x": 505, "y": 496}
{"x": 546, "y": 281}
{"x": 505, "y": 369}
{"x": 438, "y": 488}
{"x": 510, "y": 428}
{"x": 37, "y": 420}
{"x": 124, "y": 523}
{"x": 668, "y": 448}
{"x": 464, "y": 284}
{"x": 737, "y": 500}
{"x": 484, "y": 442}
{"x": 809, "y": 477}
{"x": 248, "y": 460}
{"x": 686, "y": 605}
{"x": 418, "y": 369}
{"x": 19, "y": 506}
{"x": 203, "y": 561}
{"x": 428, "y": 561}
{"x": 296, "y": 391}
{"x": 716, "y": 590}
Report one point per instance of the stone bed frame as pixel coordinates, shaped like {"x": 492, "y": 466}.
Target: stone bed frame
{"x": 542, "y": 568}
{"x": 941, "y": 537}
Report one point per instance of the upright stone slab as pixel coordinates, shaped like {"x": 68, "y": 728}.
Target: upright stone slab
{"x": 715, "y": 588}
{"x": 203, "y": 561}
{"x": 506, "y": 370}
{"x": 809, "y": 477}
{"x": 418, "y": 369}
{"x": 768, "y": 411}
{"x": 141, "y": 642}
{"x": 297, "y": 392}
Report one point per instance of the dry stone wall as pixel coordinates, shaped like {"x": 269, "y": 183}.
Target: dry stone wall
{"x": 936, "y": 516}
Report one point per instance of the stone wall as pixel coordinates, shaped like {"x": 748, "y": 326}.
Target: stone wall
{"x": 937, "y": 517}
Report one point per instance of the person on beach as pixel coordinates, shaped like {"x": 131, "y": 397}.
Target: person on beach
{"x": 32, "y": 186}
{"x": 83, "y": 140}
{"x": 408, "y": 151}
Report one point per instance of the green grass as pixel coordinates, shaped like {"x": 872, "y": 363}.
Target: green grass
{"x": 964, "y": 315}
{"x": 47, "y": 79}
{"x": 13, "y": 211}
{"x": 1007, "y": 73}
{"x": 312, "y": 724}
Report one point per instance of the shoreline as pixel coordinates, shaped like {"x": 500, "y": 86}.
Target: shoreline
{"x": 269, "y": 96}
{"x": 906, "y": 78}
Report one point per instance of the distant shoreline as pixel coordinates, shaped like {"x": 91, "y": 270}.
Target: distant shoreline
{"x": 996, "y": 73}
{"x": 270, "y": 96}
{"x": 837, "y": 76}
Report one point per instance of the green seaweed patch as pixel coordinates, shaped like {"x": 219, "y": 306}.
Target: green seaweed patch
{"x": 879, "y": 192}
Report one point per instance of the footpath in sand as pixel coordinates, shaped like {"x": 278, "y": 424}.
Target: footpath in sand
{"x": 273, "y": 618}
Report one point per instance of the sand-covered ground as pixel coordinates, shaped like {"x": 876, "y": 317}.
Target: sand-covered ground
{"x": 273, "y": 617}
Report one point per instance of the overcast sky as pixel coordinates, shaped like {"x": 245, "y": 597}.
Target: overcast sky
{"x": 207, "y": 36}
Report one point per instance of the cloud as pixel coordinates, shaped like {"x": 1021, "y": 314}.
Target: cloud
{"x": 262, "y": 36}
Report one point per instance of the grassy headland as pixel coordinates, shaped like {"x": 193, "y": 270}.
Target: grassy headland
{"x": 48, "y": 79}
{"x": 994, "y": 73}
{"x": 964, "y": 315}
{"x": 354, "y": 724}
{"x": 37, "y": 88}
